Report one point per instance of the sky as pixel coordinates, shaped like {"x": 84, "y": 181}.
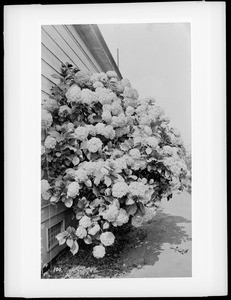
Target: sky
{"x": 156, "y": 58}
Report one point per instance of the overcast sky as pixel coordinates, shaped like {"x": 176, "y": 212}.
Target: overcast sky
{"x": 156, "y": 60}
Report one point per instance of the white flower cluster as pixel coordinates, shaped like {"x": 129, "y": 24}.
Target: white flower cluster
{"x": 120, "y": 189}
{"x": 50, "y": 142}
{"x": 99, "y": 251}
{"x": 111, "y": 213}
{"x": 81, "y": 133}
{"x": 64, "y": 110}
{"x": 85, "y": 222}
{"x": 94, "y": 144}
{"x": 93, "y": 230}
{"x": 50, "y": 104}
{"x": 73, "y": 189}
{"x": 152, "y": 141}
{"x": 137, "y": 189}
{"x": 74, "y": 93}
{"x": 45, "y": 187}
{"x": 122, "y": 217}
{"x": 46, "y": 119}
{"x": 106, "y": 151}
{"x": 107, "y": 238}
{"x": 81, "y": 232}
{"x": 135, "y": 153}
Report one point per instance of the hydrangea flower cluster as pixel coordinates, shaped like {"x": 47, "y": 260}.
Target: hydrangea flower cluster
{"x": 109, "y": 155}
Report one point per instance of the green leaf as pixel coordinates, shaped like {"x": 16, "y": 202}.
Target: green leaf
{"x": 133, "y": 177}
{"x": 124, "y": 147}
{"x": 61, "y": 235}
{"x": 79, "y": 215}
{"x": 56, "y": 76}
{"x": 74, "y": 248}
{"x": 75, "y": 161}
{"x": 62, "y": 241}
{"x": 88, "y": 240}
{"x": 98, "y": 178}
{"x": 108, "y": 192}
{"x": 109, "y": 144}
{"x": 57, "y": 136}
{"x": 130, "y": 201}
{"x": 88, "y": 183}
{"x": 131, "y": 209}
{"x": 69, "y": 242}
{"x": 149, "y": 150}
{"x": 141, "y": 207}
{"x": 107, "y": 181}
{"x": 105, "y": 225}
{"x": 68, "y": 202}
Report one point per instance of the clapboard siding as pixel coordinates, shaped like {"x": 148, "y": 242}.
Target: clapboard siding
{"x": 49, "y": 57}
{"x": 81, "y": 45}
{"x": 60, "y": 44}
{"x": 65, "y": 44}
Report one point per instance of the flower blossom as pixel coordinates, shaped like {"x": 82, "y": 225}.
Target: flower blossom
{"x": 73, "y": 189}
{"x": 94, "y": 144}
{"x": 137, "y": 221}
{"x": 90, "y": 129}
{"x": 152, "y": 141}
{"x": 109, "y": 132}
{"x": 73, "y": 93}
{"x": 106, "y": 116}
{"x": 130, "y": 110}
{"x": 43, "y": 149}
{"x": 137, "y": 188}
{"x": 122, "y": 217}
{"x": 85, "y": 222}
{"x": 111, "y": 74}
{"x": 81, "y": 133}
{"x": 135, "y": 153}
{"x": 46, "y": 119}
{"x": 50, "y": 142}
{"x": 126, "y": 82}
{"x": 111, "y": 213}
{"x": 119, "y": 189}
{"x": 81, "y": 232}
{"x": 45, "y": 186}
{"x": 98, "y": 84}
{"x": 50, "y": 104}
{"x": 80, "y": 175}
{"x": 99, "y": 251}
{"x": 107, "y": 238}
{"x": 94, "y": 229}
{"x": 88, "y": 96}
{"x": 99, "y": 128}
{"x": 64, "y": 110}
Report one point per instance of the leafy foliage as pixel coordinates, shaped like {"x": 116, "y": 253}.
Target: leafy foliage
{"x": 108, "y": 155}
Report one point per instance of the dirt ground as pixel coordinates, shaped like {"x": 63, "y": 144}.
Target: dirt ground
{"x": 161, "y": 248}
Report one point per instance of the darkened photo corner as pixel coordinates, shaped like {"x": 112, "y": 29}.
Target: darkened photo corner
{"x": 116, "y": 151}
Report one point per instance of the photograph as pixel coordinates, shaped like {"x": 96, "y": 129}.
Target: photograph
{"x": 116, "y": 176}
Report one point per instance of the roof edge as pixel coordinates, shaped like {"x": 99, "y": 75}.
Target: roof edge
{"x": 91, "y": 35}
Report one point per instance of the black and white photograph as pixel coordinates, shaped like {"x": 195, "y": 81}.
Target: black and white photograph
{"x": 116, "y": 151}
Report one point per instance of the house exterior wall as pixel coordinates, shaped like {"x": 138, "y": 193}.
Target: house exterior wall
{"x": 84, "y": 47}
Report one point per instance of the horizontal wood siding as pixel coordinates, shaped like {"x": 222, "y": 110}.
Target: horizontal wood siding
{"x": 60, "y": 44}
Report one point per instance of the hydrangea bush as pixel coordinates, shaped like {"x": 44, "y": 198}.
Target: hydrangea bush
{"x": 108, "y": 155}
